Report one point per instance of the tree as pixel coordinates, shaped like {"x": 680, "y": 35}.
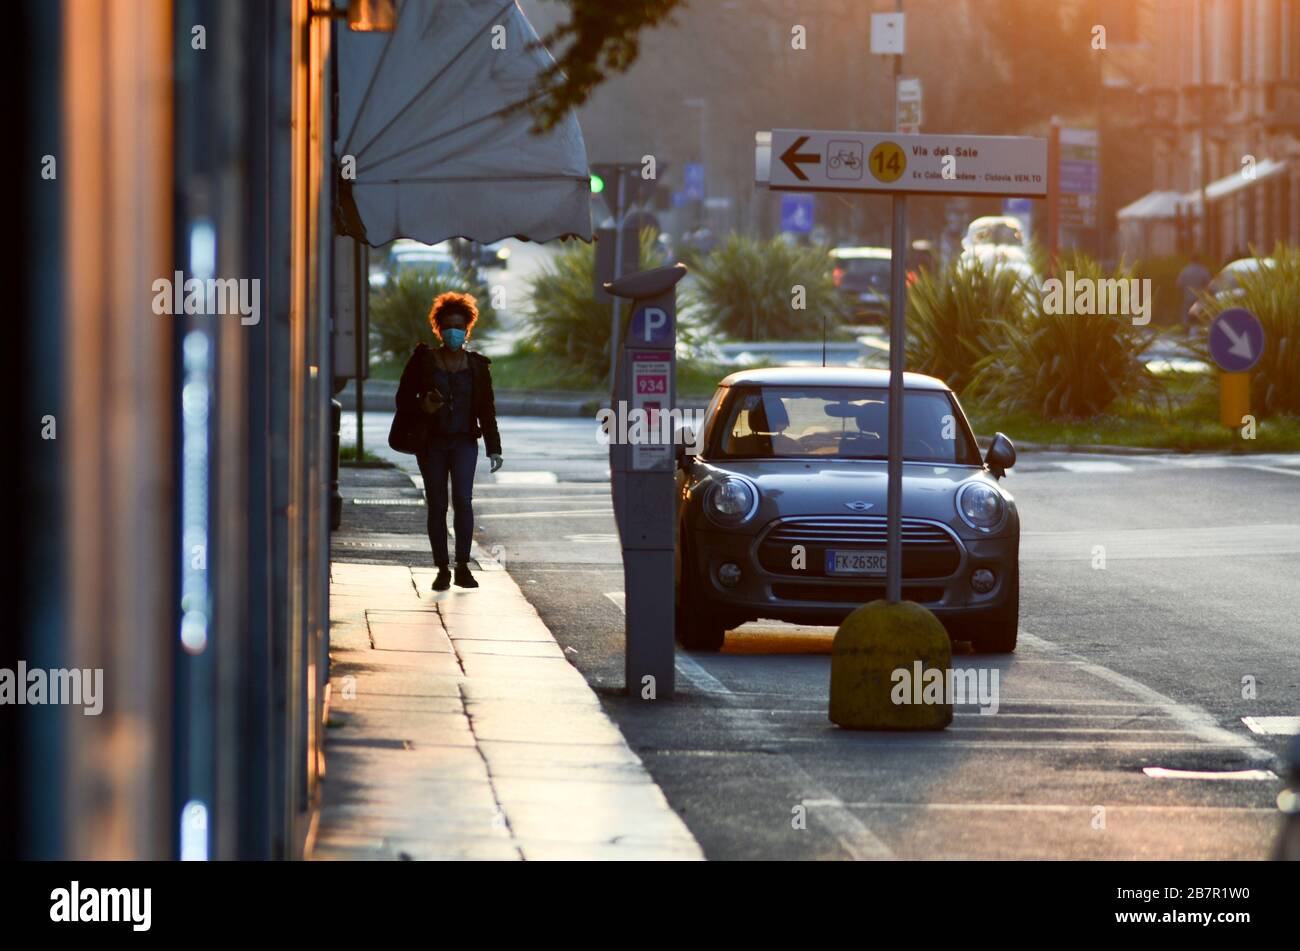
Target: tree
{"x": 601, "y": 37}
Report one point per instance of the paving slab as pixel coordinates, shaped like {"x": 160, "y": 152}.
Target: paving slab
{"x": 458, "y": 729}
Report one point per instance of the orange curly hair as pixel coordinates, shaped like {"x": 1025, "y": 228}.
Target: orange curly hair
{"x": 453, "y": 303}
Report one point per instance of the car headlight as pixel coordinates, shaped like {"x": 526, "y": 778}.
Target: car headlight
{"x": 732, "y": 500}
{"x": 981, "y": 506}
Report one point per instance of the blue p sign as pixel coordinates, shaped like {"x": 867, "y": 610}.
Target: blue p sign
{"x": 650, "y": 326}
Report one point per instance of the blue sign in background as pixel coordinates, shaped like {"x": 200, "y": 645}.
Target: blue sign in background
{"x": 1236, "y": 340}
{"x": 657, "y": 331}
{"x": 693, "y": 184}
{"x": 798, "y": 213}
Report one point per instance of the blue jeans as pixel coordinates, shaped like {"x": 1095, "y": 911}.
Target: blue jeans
{"x": 456, "y": 456}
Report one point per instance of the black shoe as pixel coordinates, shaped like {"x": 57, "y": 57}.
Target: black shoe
{"x": 443, "y": 581}
{"x": 463, "y": 578}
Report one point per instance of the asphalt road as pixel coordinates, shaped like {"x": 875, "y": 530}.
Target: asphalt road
{"x": 1150, "y": 663}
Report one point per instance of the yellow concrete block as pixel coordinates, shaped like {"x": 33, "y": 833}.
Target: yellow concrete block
{"x": 874, "y": 665}
{"x": 1234, "y": 398}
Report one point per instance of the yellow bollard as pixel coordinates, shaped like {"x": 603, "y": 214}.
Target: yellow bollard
{"x": 874, "y": 663}
{"x": 1234, "y": 398}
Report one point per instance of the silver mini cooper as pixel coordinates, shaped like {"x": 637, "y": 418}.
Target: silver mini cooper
{"x": 781, "y": 515}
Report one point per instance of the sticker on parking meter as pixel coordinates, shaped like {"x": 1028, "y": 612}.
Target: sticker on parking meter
{"x": 650, "y": 372}
{"x": 650, "y": 326}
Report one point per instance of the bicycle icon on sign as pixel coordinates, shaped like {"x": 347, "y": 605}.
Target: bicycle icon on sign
{"x": 844, "y": 160}
{"x": 844, "y": 157}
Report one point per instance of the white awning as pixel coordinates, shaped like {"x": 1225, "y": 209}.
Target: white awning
{"x": 423, "y": 110}
{"x": 1156, "y": 205}
{"x": 1230, "y": 184}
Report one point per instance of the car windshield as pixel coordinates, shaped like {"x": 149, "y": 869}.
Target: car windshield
{"x": 864, "y": 271}
{"x": 765, "y": 422}
{"x": 997, "y": 234}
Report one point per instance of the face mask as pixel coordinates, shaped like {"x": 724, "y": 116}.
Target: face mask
{"x": 454, "y": 337}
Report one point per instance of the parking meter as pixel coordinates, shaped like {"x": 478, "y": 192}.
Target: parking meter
{"x": 642, "y": 474}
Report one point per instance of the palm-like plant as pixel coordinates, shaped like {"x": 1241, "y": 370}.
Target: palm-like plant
{"x": 567, "y": 323}
{"x": 399, "y": 313}
{"x": 746, "y": 290}
{"x": 1066, "y": 366}
{"x": 955, "y": 318}
{"x": 1271, "y": 293}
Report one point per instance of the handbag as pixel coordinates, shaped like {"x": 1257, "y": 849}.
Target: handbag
{"x": 411, "y": 427}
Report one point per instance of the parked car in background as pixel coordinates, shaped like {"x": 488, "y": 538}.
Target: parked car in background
{"x": 782, "y": 514}
{"x": 862, "y": 276}
{"x": 1226, "y": 286}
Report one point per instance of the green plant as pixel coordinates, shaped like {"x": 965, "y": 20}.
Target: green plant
{"x": 567, "y": 324}
{"x": 399, "y": 313}
{"x": 746, "y": 289}
{"x": 1272, "y": 294}
{"x": 955, "y": 318}
{"x": 1063, "y": 365}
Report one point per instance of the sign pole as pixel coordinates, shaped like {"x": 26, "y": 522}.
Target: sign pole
{"x": 618, "y": 272}
{"x": 897, "y": 353}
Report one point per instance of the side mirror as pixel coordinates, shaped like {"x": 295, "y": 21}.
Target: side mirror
{"x": 1001, "y": 455}
{"x": 685, "y": 436}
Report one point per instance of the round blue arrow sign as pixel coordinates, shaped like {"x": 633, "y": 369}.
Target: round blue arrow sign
{"x": 1236, "y": 340}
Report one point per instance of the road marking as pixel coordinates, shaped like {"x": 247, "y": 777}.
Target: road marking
{"x": 1278, "y": 469}
{"x": 1159, "y": 772}
{"x": 552, "y": 514}
{"x": 1094, "y": 466}
{"x": 1194, "y": 720}
{"x": 604, "y": 496}
{"x": 1273, "y": 726}
{"x": 1048, "y": 807}
{"x": 853, "y": 836}
{"x": 538, "y": 477}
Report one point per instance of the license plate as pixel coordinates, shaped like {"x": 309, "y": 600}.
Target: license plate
{"x": 841, "y": 562}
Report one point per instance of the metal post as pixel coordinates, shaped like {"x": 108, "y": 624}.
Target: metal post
{"x": 897, "y": 343}
{"x": 618, "y": 272}
{"x": 361, "y": 290}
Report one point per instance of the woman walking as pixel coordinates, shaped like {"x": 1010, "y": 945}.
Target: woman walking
{"x": 452, "y": 386}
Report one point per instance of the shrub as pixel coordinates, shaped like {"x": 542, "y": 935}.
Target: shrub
{"x": 744, "y": 289}
{"x": 1066, "y": 366}
{"x": 1273, "y": 295}
{"x": 399, "y": 312}
{"x": 955, "y": 318}
{"x": 567, "y": 324}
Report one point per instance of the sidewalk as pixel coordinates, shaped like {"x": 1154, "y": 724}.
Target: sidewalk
{"x": 457, "y": 728}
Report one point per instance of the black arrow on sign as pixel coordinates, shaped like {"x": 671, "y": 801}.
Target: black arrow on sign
{"x": 792, "y": 156}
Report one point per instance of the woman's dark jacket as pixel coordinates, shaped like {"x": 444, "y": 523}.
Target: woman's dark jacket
{"x": 417, "y": 379}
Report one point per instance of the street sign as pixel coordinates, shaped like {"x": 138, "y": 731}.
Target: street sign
{"x": 819, "y": 160}
{"x": 693, "y": 181}
{"x": 798, "y": 213}
{"x": 1236, "y": 340}
{"x": 909, "y": 106}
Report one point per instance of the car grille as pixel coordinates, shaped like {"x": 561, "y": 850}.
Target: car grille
{"x": 858, "y": 593}
{"x": 928, "y": 550}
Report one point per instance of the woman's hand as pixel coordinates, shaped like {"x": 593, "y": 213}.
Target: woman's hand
{"x": 431, "y": 402}
{"x": 496, "y": 462}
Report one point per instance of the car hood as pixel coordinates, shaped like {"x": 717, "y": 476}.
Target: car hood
{"x": 812, "y": 487}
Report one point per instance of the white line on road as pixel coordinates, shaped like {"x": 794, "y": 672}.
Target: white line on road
{"x": 1278, "y": 469}
{"x": 1094, "y": 466}
{"x": 1194, "y": 720}
{"x": 606, "y": 512}
{"x": 1159, "y": 772}
{"x": 854, "y": 837}
{"x": 1273, "y": 726}
{"x": 1048, "y": 807}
